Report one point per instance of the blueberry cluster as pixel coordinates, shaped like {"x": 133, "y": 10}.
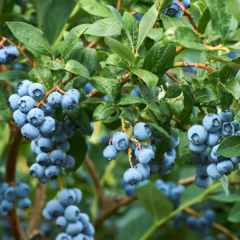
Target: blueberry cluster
{"x": 203, "y": 224}
{"x": 68, "y": 216}
{"x": 49, "y": 135}
{"x": 8, "y": 54}
{"x": 175, "y": 10}
{"x": 211, "y": 165}
{"x": 219, "y": 236}
{"x": 9, "y": 194}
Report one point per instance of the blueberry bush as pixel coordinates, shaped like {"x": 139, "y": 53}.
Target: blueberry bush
{"x": 120, "y": 119}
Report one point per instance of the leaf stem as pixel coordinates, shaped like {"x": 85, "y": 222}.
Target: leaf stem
{"x": 172, "y": 77}
{"x": 196, "y": 65}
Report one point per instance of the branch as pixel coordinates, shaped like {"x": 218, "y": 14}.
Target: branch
{"x": 172, "y": 77}
{"x": 113, "y": 209}
{"x": 90, "y": 45}
{"x": 217, "y": 226}
{"x": 186, "y": 181}
{"x": 196, "y": 65}
{"x": 95, "y": 178}
{"x": 118, "y": 5}
{"x": 179, "y": 49}
{"x": 202, "y": 111}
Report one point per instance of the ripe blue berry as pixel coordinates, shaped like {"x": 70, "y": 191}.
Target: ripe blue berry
{"x": 69, "y": 101}
{"x": 67, "y": 197}
{"x": 58, "y": 127}
{"x": 110, "y": 153}
{"x": 130, "y": 190}
{"x": 201, "y": 170}
{"x": 23, "y": 88}
{"x": 65, "y": 146}
{"x": 26, "y": 103}
{"x": 37, "y": 171}
{"x": 29, "y": 131}
{"x": 2, "y": 57}
{"x": 173, "y": 9}
{"x": 186, "y": 3}
{"x": 10, "y": 194}
{"x": 132, "y": 176}
{"x": 213, "y": 138}
{"x": 45, "y": 144}
{"x": 54, "y": 208}
{"x": 120, "y": 141}
{"x": 6, "y": 206}
{"x": 89, "y": 230}
{"x": 227, "y": 129}
{"x": 225, "y": 167}
{"x": 43, "y": 159}
{"x": 61, "y": 222}
{"x": 235, "y": 125}
{"x": 48, "y": 110}
{"x": 78, "y": 194}
{"x": 166, "y": 164}
{"x": 203, "y": 182}
{"x": 63, "y": 236}
{"x": 84, "y": 219}
{"x": 74, "y": 92}
{"x": 135, "y": 93}
{"x": 13, "y": 101}
{"x": 24, "y": 203}
{"x": 213, "y": 172}
{"x": 172, "y": 152}
{"x": 11, "y": 54}
{"x": 81, "y": 236}
{"x": 54, "y": 100}
{"x": 214, "y": 156}
{"x": 226, "y": 116}
{"x": 69, "y": 126}
{"x": 173, "y": 143}
{"x": 52, "y": 172}
{"x": 197, "y": 134}
{"x": 19, "y": 118}
{"x": 43, "y": 180}
{"x": 154, "y": 167}
{"x": 60, "y": 137}
{"x": 35, "y": 116}
{"x": 74, "y": 228}
{"x": 58, "y": 157}
{"x": 38, "y": 150}
{"x": 48, "y": 126}
{"x": 142, "y": 131}
{"x": 210, "y": 215}
{"x": 47, "y": 216}
{"x": 146, "y": 156}
{"x": 212, "y": 122}
{"x": 36, "y": 90}
{"x": 23, "y": 190}
{"x": 235, "y": 160}
{"x": 72, "y": 213}
{"x": 69, "y": 163}
{"x": 198, "y": 148}
{"x": 138, "y": 150}
{"x": 144, "y": 169}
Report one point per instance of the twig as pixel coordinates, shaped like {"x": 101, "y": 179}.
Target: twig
{"x": 60, "y": 182}
{"x": 179, "y": 49}
{"x": 113, "y": 209}
{"x": 90, "y": 45}
{"x": 202, "y": 111}
{"x": 133, "y": 13}
{"x": 172, "y": 77}
{"x": 126, "y": 91}
{"x": 186, "y": 181}
{"x": 196, "y": 65}
{"x": 217, "y": 226}
{"x": 118, "y": 5}
{"x": 95, "y": 179}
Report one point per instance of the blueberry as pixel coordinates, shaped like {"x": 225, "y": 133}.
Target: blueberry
{"x": 58, "y": 157}
{"x": 166, "y": 164}
{"x": 19, "y": 118}
{"x": 13, "y": 101}
{"x": 235, "y": 160}
{"x": 138, "y": 17}
{"x": 74, "y": 92}
{"x": 65, "y": 146}
{"x": 132, "y": 176}
{"x": 201, "y": 170}
{"x": 6, "y": 206}
{"x": 23, "y": 190}
{"x": 138, "y": 150}
{"x": 29, "y": 131}
{"x": 43, "y": 180}
{"x": 88, "y": 88}
{"x": 120, "y": 141}
{"x": 212, "y": 122}
{"x": 35, "y": 117}
{"x": 192, "y": 222}
{"x": 43, "y": 159}
{"x": 163, "y": 173}
{"x": 38, "y": 150}
{"x": 58, "y": 127}
{"x": 33, "y": 147}
{"x": 63, "y": 236}
{"x": 142, "y": 131}
{"x": 213, "y": 138}
{"x": 67, "y": 197}
{"x": 55, "y": 208}
{"x": 47, "y": 216}
{"x": 61, "y": 222}
{"x": 72, "y": 213}
{"x": 173, "y": 143}
{"x": 69, "y": 163}
{"x": 196, "y": 158}
{"x": 225, "y": 167}
{"x": 74, "y": 228}
{"x": 226, "y": 116}
{"x": 214, "y": 156}
{"x": 197, "y": 135}
{"x": 24, "y": 203}
{"x": 2, "y": 57}
{"x": 26, "y": 103}
{"x": 48, "y": 126}
{"x": 52, "y": 172}
{"x": 134, "y": 93}
{"x": 78, "y": 194}
{"x": 142, "y": 183}
{"x": 176, "y": 224}
{"x": 23, "y": 88}
{"x": 173, "y": 9}
{"x": 54, "y": 100}
{"x": 209, "y": 215}
{"x": 10, "y": 194}
{"x": 60, "y": 137}
{"x": 144, "y": 169}
{"x": 36, "y": 170}
{"x": 154, "y": 167}
{"x": 186, "y": 3}
{"x": 203, "y": 182}
{"x": 48, "y": 110}
{"x": 45, "y": 144}
{"x": 198, "y": 148}
{"x": 227, "y": 129}
{"x": 12, "y": 53}
{"x": 89, "y": 230}
{"x": 213, "y": 172}
{"x": 110, "y": 153}
{"x": 81, "y": 236}
{"x": 146, "y": 156}
{"x": 235, "y": 125}
{"x": 69, "y": 101}
{"x": 36, "y": 90}
{"x": 130, "y": 190}
{"x": 18, "y": 66}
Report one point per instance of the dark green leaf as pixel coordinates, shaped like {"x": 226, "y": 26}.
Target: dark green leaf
{"x": 185, "y": 153}
{"x": 204, "y": 20}
{"x": 234, "y": 215}
{"x": 184, "y": 116}
{"x": 169, "y": 22}
{"x": 233, "y": 197}
{"x": 115, "y": 60}
{"x": 116, "y": 14}
{"x": 76, "y": 53}
{"x": 128, "y": 115}
{"x": 13, "y": 74}
{"x": 230, "y": 147}
{"x": 130, "y": 100}
{"x": 165, "y": 3}
{"x": 206, "y": 95}
{"x": 173, "y": 91}
{"x": 155, "y": 34}
{"x": 191, "y": 192}
{"x": 94, "y": 100}
{"x": 226, "y": 98}
{"x": 90, "y": 59}
{"x": 188, "y": 93}
{"x": 235, "y": 8}
{"x": 140, "y": 7}
{"x": 58, "y": 113}
{"x": 54, "y": 64}
{"x": 103, "y": 112}
{"x": 77, "y": 68}
{"x": 234, "y": 87}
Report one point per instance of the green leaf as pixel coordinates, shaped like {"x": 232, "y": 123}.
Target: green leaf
{"x": 105, "y": 27}
{"x": 165, "y": 3}
{"x": 149, "y": 78}
{"x": 140, "y": 7}
{"x": 155, "y": 34}
{"x": 223, "y": 21}
{"x": 54, "y": 64}
{"x": 160, "y": 58}
{"x": 56, "y": 17}
{"x": 188, "y": 93}
{"x": 128, "y": 115}
{"x": 233, "y": 197}
{"x": 234, "y": 215}
{"x": 130, "y": 100}
{"x": 90, "y": 59}
{"x": 226, "y": 98}
{"x": 154, "y": 201}
{"x": 146, "y": 23}
{"x": 234, "y": 6}
{"x": 204, "y": 20}
{"x": 200, "y": 5}
{"x": 94, "y": 8}
{"x": 149, "y": 100}
{"x": 206, "y": 95}
{"x": 31, "y": 37}
{"x": 185, "y": 153}
{"x": 78, "y": 153}
{"x": 234, "y": 87}
{"x": 13, "y": 74}
{"x": 103, "y": 112}
{"x": 185, "y": 37}
{"x": 184, "y": 116}
{"x": 173, "y": 91}
{"x": 77, "y": 68}
{"x": 116, "y": 14}
{"x": 76, "y": 53}
{"x": 230, "y": 147}
{"x": 224, "y": 182}
{"x": 190, "y": 192}
{"x": 94, "y": 101}
{"x": 108, "y": 86}
{"x": 73, "y": 38}
{"x": 115, "y": 60}
{"x": 41, "y": 75}
{"x": 169, "y": 22}
{"x": 120, "y": 49}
